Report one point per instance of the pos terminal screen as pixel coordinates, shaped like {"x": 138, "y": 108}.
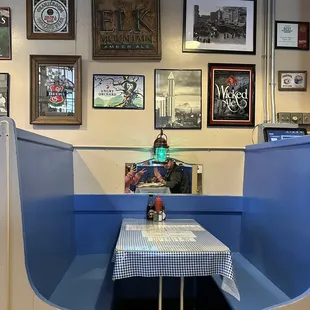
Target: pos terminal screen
{"x": 275, "y": 134}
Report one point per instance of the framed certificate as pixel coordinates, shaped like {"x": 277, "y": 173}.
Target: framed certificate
{"x": 292, "y": 35}
{"x": 53, "y": 20}
{"x": 292, "y": 80}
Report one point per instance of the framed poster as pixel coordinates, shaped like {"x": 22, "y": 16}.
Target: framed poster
{"x": 5, "y": 34}
{"x": 292, "y": 80}
{"x": 178, "y": 98}
{"x": 115, "y": 91}
{"x": 292, "y": 35}
{"x": 55, "y": 90}
{"x": 219, "y": 26}
{"x": 231, "y": 97}
{"x": 4, "y": 94}
{"x": 127, "y": 29}
{"x": 54, "y": 20}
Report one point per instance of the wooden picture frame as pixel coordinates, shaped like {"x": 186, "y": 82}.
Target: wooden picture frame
{"x": 292, "y": 80}
{"x": 292, "y": 35}
{"x": 55, "y": 90}
{"x": 178, "y": 99}
{"x": 231, "y": 95}
{"x": 50, "y": 20}
{"x": 119, "y": 91}
{"x": 126, "y": 30}
{"x": 4, "y": 94}
{"x": 5, "y": 34}
{"x": 219, "y": 26}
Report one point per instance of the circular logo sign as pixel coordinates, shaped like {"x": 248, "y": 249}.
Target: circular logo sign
{"x": 50, "y": 16}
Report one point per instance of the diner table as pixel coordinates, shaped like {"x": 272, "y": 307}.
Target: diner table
{"x": 173, "y": 248}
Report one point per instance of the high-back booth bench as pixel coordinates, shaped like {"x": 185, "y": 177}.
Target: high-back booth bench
{"x": 69, "y": 239}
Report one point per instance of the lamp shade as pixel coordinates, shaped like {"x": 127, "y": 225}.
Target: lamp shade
{"x": 161, "y": 147}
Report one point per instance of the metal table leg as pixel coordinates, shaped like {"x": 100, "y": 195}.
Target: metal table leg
{"x": 160, "y": 295}
{"x": 182, "y": 294}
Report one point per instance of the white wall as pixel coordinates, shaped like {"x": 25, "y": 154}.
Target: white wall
{"x": 99, "y": 171}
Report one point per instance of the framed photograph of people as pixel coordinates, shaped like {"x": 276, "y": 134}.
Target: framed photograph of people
{"x": 118, "y": 91}
{"x": 50, "y": 20}
{"x": 292, "y": 80}
{"x": 55, "y": 90}
{"x": 292, "y": 35}
{"x": 4, "y": 94}
{"x": 5, "y": 34}
{"x": 219, "y": 26}
{"x": 178, "y": 98}
{"x": 231, "y": 95}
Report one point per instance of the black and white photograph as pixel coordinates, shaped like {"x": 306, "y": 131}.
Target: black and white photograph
{"x": 231, "y": 95}
{"x": 5, "y": 34}
{"x": 4, "y": 94}
{"x": 178, "y": 95}
{"x": 219, "y": 26}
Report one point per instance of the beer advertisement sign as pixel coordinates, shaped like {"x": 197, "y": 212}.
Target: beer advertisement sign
{"x": 128, "y": 29}
{"x": 231, "y": 98}
{"x": 53, "y": 19}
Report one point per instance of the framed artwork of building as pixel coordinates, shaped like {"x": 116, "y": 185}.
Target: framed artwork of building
{"x": 231, "y": 95}
{"x": 55, "y": 90}
{"x": 219, "y": 26}
{"x": 116, "y": 91}
{"x": 5, "y": 34}
{"x": 4, "y": 94}
{"x": 126, "y": 30}
{"x": 50, "y": 20}
{"x": 178, "y": 98}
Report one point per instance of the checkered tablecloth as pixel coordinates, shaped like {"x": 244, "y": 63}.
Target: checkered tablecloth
{"x": 174, "y": 248}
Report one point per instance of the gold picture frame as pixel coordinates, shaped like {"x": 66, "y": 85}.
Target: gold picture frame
{"x": 50, "y": 20}
{"x": 55, "y": 90}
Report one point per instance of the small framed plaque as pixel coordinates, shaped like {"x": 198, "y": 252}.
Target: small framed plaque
{"x": 55, "y": 90}
{"x": 292, "y": 35}
{"x": 54, "y": 20}
{"x": 292, "y": 80}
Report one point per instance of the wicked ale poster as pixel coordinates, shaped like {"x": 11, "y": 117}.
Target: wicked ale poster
{"x": 231, "y": 99}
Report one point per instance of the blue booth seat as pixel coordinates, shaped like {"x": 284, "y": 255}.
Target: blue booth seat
{"x": 69, "y": 239}
{"x": 256, "y": 290}
{"x": 87, "y": 284}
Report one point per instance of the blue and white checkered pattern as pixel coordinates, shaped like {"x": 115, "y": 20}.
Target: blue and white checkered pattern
{"x": 147, "y": 249}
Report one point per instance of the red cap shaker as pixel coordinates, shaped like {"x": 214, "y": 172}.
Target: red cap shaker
{"x": 158, "y": 204}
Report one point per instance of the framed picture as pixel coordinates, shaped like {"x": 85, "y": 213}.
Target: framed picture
{"x": 231, "y": 97}
{"x": 292, "y": 80}
{"x": 5, "y": 34}
{"x": 116, "y": 91}
{"x": 178, "y": 98}
{"x": 4, "y": 94}
{"x": 292, "y": 35}
{"x": 54, "y": 20}
{"x": 127, "y": 29}
{"x": 219, "y": 26}
{"x": 55, "y": 90}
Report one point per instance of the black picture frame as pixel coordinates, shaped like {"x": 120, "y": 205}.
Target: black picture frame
{"x": 288, "y": 41}
{"x": 181, "y": 89}
{"x": 231, "y": 95}
{"x": 4, "y": 93}
{"x": 5, "y": 33}
{"x": 120, "y": 91}
{"x": 200, "y": 30}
